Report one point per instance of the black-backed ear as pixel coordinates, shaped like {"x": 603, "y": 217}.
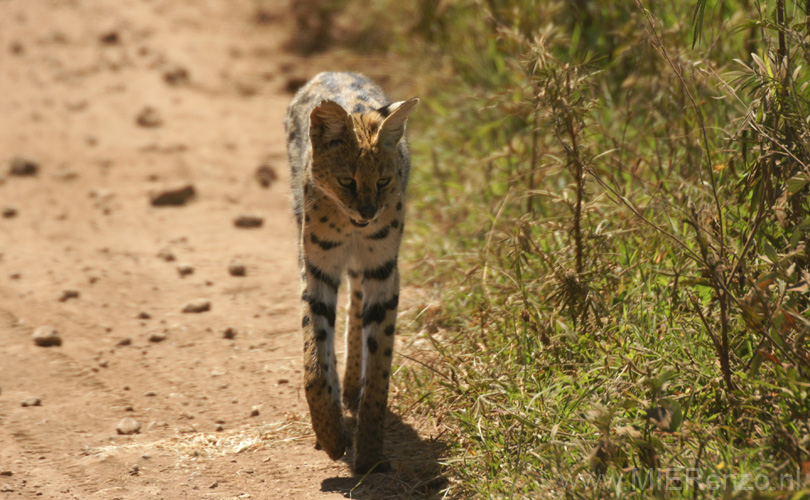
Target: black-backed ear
{"x": 327, "y": 123}
{"x": 393, "y": 126}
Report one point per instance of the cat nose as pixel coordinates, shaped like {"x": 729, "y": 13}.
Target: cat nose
{"x": 367, "y": 211}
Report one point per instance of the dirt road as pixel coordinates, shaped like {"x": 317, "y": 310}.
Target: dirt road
{"x": 102, "y": 106}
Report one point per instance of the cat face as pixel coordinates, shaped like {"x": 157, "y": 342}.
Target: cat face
{"x": 355, "y": 160}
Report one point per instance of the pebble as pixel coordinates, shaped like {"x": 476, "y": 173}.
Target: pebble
{"x": 15, "y": 275}
{"x": 266, "y": 175}
{"x": 47, "y": 336}
{"x": 69, "y": 294}
{"x": 229, "y": 333}
{"x": 197, "y": 306}
{"x": 166, "y": 254}
{"x": 31, "y": 402}
{"x": 144, "y": 315}
{"x": 157, "y": 337}
{"x": 23, "y": 167}
{"x": 248, "y": 221}
{"x": 254, "y": 412}
{"x": 149, "y": 117}
{"x": 237, "y": 268}
{"x": 175, "y": 196}
{"x": 124, "y": 342}
{"x": 109, "y": 38}
{"x": 127, "y": 426}
{"x": 185, "y": 269}
{"x": 9, "y": 212}
{"x": 176, "y": 75}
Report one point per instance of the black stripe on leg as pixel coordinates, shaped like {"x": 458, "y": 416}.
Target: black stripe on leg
{"x": 372, "y": 345}
{"x": 305, "y": 322}
{"x": 393, "y": 303}
{"x": 381, "y": 273}
{"x": 321, "y": 276}
{"x": 321, "y": 335}
{"x": 324, "y": 244}
{"x": 389, "y": 330}
{"x": 321, "y": 309}
{"x": 374, "y": 313}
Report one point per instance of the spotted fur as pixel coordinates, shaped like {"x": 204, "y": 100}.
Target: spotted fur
{"x": 349, "y": 170}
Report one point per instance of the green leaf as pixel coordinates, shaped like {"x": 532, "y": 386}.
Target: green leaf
{"x": 697, "y": 20}
{"x": 797, "y": 183}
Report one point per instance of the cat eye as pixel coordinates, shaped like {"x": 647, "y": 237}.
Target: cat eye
{"x": 346, "y": 182}
{"x": 384, "y": 182}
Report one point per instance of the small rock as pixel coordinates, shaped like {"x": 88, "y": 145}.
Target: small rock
{"x": 66, "y": 175}
{"x": 229, "y": 333}
{"x": 294, "y": 83}
{"x": 15, "y": 275}
{"x": 109, "y": 38}
{"x": 150, "y": 394}
{"x": 283, "y": 381}
{"x": 47, "y": 336}
{"x": 237, "y": 268}
{"x": 266, "y": 175}
{"x": 174, "y": 196}
{"x": 6, "y": 473}
{"x": 144, "y": 315}
{"x": 219, "y": 428}
{"x": 149, "y": 118}
{"x": 23, "y": 167}
{"x": 124, "y": 342}
{"x": 69, "y": 294}
{"x": 176, "y": 75}
{"x": 185, "y": 269}
{"x": 9, "y": 212}
{"x": 157, "y": 337}
{"x": 213, "y": 485}
{"x": 127, "y": 426}
{"x": 248, "y": 221}
{"x": 166, "y": 255}
{"x": 254, "y": 412}
{"x": 197, "y": 306}
{"x": 134, "y": 470}
{"x": 31, "y": 402}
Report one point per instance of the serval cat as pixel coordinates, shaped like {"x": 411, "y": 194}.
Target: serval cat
{"x": 350, "y": 166}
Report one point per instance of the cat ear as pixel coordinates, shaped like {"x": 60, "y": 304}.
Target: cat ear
{"x": 327, "y": 123}
{"x": 393, "y": 126}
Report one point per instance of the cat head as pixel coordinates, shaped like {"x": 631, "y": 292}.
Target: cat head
{"x": 355, "y": 158}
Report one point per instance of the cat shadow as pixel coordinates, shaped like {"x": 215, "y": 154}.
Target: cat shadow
{"x": 415, "y": 468}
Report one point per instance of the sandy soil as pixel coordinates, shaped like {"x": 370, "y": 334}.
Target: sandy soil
{"x": 115, "y": 101}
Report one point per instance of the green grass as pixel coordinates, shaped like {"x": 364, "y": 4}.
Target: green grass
{"x": 613, "y": 224}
